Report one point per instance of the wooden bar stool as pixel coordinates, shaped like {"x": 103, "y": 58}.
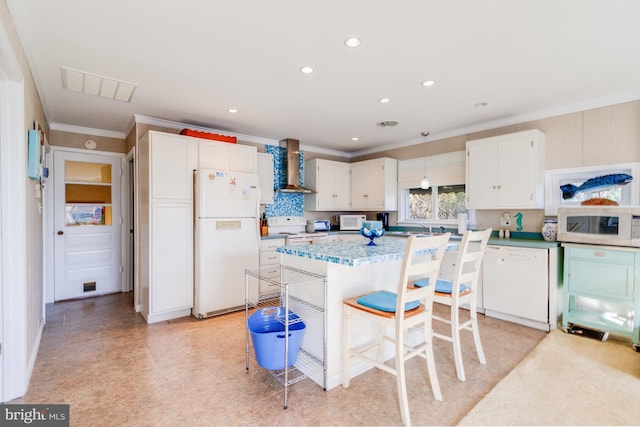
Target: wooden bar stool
{"x": 465, "y": 280}
{"x": 421, "y": 260}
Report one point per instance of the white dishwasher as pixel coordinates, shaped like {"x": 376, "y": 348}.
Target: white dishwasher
{"x": 516, "y": 285}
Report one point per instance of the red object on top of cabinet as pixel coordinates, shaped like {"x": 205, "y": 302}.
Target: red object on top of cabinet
{"x": 208, "y": 135}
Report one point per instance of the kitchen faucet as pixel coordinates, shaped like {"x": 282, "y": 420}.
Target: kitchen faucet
{"x": 428, "y": 227}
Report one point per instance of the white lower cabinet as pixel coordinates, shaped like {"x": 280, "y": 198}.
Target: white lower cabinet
{"x": 269, "y": 264}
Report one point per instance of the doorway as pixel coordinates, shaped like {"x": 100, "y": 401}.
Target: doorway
{"x": 87, "y": 224}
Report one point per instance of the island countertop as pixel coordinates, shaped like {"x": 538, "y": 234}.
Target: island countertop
{"x": 354, "y": 253}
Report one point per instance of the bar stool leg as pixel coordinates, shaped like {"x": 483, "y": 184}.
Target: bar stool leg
{"x": 346, "y": 344}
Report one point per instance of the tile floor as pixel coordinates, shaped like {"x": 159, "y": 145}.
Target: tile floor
{"x": 100, "y": 357}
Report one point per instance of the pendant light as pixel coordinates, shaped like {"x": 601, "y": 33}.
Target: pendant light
{"x": 424, "y": 184}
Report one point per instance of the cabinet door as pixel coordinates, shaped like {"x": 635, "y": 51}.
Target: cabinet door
{"x": 265, "y": 177}
{"x": 171, "y": 285}
{"x": 172, "y": 161}
{"x": 506, "y": 172}
{"x": 482, "y": 175}
{"x": 227, "y": 156}
{"x": 332, "y": 182}
{"x": 333, "y": 185}
{"x": 342, "y": 186}
{"x": 241, "y": 158}
{"x": 325, "y": 191}
{"x": 367, "y": 186}
{"x": 600, "y": 273}
{"x": 516, "y": 173}
{"x": 212, "y": 155}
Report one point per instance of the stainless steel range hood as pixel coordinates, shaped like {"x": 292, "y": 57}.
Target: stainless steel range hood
{"x": 293, "y": 168}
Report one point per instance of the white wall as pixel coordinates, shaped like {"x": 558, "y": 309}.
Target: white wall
{"x": 23, "y": 307}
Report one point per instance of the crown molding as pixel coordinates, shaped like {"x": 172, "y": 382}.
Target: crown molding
{"x": 87, "y": 131}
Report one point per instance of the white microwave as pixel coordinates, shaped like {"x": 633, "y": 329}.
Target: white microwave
{"x": 600, "y": 225}
{"x": 351, "y": 222}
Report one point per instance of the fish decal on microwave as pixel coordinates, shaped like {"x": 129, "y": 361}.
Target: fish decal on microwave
{"x": 599, "y": 182}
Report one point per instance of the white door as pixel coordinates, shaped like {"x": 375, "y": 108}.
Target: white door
{"x": 87, "y": 224}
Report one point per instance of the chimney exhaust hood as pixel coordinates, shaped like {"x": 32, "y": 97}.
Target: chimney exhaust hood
{"x": 293, "y": 168}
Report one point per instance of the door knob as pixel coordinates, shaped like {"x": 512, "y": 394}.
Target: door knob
{"x": 60, "y": 232}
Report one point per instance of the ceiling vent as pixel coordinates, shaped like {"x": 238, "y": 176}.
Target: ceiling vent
{"x": 93, "y": 84}
{"x": 387, "y": 124}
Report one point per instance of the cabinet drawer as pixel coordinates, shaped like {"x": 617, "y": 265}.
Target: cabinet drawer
{"x": 271, "y": 257}
{"x": 603, "y": 255}
{"x": 270, "y": 271}
{"x": 609, "y": 281}
{"x": 271, "y": 244}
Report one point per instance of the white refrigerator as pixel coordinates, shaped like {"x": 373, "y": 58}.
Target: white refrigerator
{"x": 226, "y": 239}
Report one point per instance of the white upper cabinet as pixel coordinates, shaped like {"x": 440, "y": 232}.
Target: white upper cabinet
{"x": 374, "y": 185}
{"x": 331, "y": 182}
{"x": 227, "y": 156}
{"x": 172, "y": 159}
{"x": 265, "y": 177}
{"x": 506, "y": 172}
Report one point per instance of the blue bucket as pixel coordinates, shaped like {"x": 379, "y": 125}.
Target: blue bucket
{"x": 267, "y": 333}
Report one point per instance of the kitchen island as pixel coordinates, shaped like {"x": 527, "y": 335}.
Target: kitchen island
{"x": 351, "y": 268}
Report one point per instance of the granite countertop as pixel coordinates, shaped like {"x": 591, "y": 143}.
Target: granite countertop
{"x": 354, "y": 253}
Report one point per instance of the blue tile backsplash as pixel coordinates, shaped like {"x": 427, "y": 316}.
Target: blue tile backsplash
{"x": 284, "y": 204}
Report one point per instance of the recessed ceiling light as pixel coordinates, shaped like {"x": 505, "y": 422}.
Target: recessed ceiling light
{"x": 232, "y": 110}
{"x": 428, "y": 83}
{"x": 306, "y": 70}
{"x": 425, "y": 133}
{"x": 481, "y": 104}
{"x": 355, "y": 138}
{"x": 352, "y": 42}
{"x": 384, "y": 100}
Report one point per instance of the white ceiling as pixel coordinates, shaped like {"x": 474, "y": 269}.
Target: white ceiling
{"x": 195, "y": 59}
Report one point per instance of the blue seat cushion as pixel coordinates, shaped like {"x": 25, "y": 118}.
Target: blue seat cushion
{"x": 442, "y": 286}
{"x": 384, "y": 301}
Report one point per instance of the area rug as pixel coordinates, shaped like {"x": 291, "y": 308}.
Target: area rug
{"x": 567, "y": 380}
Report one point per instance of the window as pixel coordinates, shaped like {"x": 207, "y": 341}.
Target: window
{"x": 444, "y": 200}
{"x": 442, "y": 203}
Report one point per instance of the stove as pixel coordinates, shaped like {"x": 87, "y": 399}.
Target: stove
{"x": 294, "y": 229}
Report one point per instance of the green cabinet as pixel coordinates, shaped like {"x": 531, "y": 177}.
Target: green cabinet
{"x": 602, "y": 289}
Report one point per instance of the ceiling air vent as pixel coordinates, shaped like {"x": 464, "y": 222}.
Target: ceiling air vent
{"x": 387, "y": 124}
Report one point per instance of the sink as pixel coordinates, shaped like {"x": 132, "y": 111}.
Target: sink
{"x": 422, "y": 234}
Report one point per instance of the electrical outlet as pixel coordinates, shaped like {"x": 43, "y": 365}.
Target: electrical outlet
{"x": 505, "y": 219}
